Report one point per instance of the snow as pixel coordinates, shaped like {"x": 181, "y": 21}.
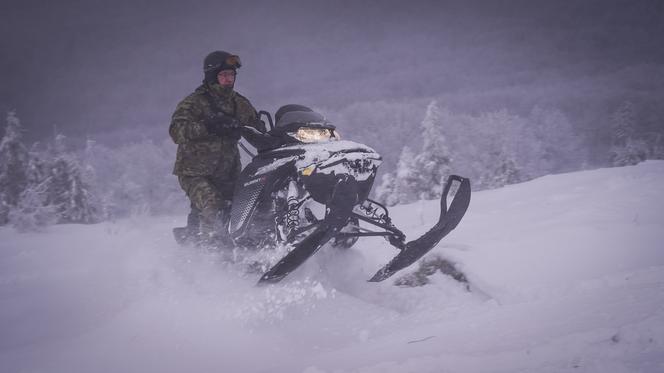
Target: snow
{"x": 567, "y": 275}
{"x": 326, "y": 153}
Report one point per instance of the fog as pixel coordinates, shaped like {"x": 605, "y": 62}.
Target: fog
{"x": 114, "y": 71}
{"x": 499, "y": 92}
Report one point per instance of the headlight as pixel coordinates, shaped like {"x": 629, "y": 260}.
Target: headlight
{"x": 308, "y": 135}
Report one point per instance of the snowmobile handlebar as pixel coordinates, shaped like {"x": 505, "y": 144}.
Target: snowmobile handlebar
{"x": 269, "y": 118}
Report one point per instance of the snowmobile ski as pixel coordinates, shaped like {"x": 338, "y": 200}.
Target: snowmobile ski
{"x": 449, "y": 219}
{"x": 341, "y": 205}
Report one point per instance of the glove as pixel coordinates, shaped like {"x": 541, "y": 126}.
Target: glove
{"x": 223, "y": 125}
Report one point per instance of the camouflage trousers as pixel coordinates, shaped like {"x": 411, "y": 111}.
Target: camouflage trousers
{"x": 210, "y": 198}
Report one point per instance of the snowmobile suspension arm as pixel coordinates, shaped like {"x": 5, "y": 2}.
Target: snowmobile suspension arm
{"x": 395, "y": 237}
{"x": 390, "y": 228}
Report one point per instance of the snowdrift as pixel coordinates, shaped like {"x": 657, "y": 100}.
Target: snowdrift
{"x": 567, "y": 274}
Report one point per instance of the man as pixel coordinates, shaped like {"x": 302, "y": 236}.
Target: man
{"x": 206, "y": 126}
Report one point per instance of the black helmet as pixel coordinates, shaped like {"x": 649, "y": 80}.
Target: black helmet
{"x": 217, "y": 61}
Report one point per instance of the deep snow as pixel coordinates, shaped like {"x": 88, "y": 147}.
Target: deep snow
{"x": 567, "y": 273}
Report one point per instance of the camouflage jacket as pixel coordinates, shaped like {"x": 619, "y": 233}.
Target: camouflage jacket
{"x": 199, "y": 152}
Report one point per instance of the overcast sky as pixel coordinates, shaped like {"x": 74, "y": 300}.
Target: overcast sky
{"x": 89, "y": 67}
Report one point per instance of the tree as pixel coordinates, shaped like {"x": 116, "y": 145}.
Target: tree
{"x": 400, "y": 186}
{"x": 13, "y": 166}
{"x": 432, "y": 164}
{"x": 406, "y": 178}
{"x": 421, "y": 175}
{"x": 504, "y": 172}
{"x": 386, "y": 191}
{"x": 559, "y": 147}
{"x": 33, "y": 213}
{"x": 626, "y": 148}
{"x": 67, "y": 191}
{"x": 632, "y": 152}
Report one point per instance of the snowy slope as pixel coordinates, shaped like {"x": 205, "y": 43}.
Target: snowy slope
{"x": 567, "y": 273}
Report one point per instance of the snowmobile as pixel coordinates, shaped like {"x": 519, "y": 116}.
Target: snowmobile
{"x": 306, "y": 188}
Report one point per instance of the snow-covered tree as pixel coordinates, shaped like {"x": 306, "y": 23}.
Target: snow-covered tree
{"x": 37, "y": 170}
{"x": 632, "y": 152}
{"x": 497, "y": 143}
{"x": 33, "y": 213}
{"x": 558, "y": 146}
{"x": 421, "y": 175}
{"x": 623, "y": 123}
{"x": 91, "y": 178}
{"x": 400, "y": 186}
{"x": 626, "y": 148}
{"x": 386, "y": 190}
{"x": 406, "y": 179}
{"x": 432, "y": 164}
{"x": 13, "y": 166}
{"x": 134, "y": 177}
{"x": 504, "y": 171}
{"x": 67, "y": 191}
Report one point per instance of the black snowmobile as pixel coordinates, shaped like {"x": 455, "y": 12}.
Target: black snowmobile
{"x": 306, "y": 188}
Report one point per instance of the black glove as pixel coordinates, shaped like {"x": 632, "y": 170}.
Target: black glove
{"x": 223, "y": 125}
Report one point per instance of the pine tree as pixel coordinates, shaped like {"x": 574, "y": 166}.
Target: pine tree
{"x": 632, "y": 152}
{"x": 32, "y": 212}
{"x": 558, "y": 146}
{"x": 422, "y": 175}
{"x": 13, "y": 165}
{"x": 386, "y": 191}
{"x": 406, "y": 180}
{"x": 89, "y": 178}
{"x": 67, "y": 191}
{"x": 504, "y": 173}
{"x": 432, "y": 164}
{"x": 623, "y": 123}
{"x": 626, "y": 149}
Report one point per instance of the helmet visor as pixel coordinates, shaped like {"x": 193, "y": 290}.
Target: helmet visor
{"x": 230, "y": 62}
{"x": 233, "y": 61}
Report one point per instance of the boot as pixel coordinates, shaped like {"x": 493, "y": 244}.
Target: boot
{"x": 214, "y": 232}
{"x": 190, "y": 233}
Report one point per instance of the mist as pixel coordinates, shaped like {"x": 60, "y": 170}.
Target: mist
{"x": 115, "y": 70}
{"x": 564, "y": 272}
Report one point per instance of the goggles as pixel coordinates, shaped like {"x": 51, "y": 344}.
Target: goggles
{"x": 234, "y": 61}
{"x": 231, "y": 62}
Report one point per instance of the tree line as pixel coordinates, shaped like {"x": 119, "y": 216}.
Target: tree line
{"x": 498, "y": 148}
{"x": 48, "y": 183}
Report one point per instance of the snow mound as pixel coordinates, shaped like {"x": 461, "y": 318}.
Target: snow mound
{"x": 566, "y": 274}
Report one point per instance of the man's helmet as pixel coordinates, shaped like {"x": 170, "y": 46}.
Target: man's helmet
{"x": 217, "y": 61}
